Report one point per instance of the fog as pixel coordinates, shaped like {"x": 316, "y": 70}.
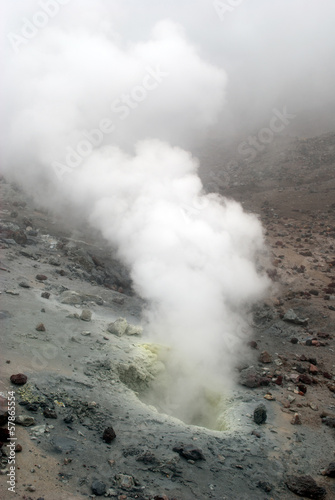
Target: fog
{"x": 103, "y": 104}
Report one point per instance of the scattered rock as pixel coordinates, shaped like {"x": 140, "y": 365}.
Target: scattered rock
{"x": 329, "y": 421}
{"x": 265, "y": 486}
{"x": 15, "y": 293}
{"x": 40, "y": 327}
{"x": 124, "y": 481}
{"x": 98, "y": 488}
{"x": 109, "y": 435}
{"x": 305, "y": 486}
{"x": 291, "y": 317}
{"x": 86, "y": 315}
{"x": 24, "y": 420}
{"x": 330, "y": 471}
{"x": 296, "y": 420}
{"x": 265, "y": 357}
{"x": 118, "y": 327}
{"x": 260, "y": 415}
{"x": 49, "y": 413}
{"x": 19, "y": 379}
{"x": 41, "y": 277}
{"x": 54, "y": 262}
{"x": 24, "y": 284}
{"x": 45, "y": 295}
{"x": 189, "y": 452}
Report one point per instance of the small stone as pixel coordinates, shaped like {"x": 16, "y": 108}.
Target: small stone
{"x": 265, "y": 357}
{"x": 118, "y": 327}
{"x": 260, "y": 415}
{"x": 189, "y": 452}
{"x": 41, "y": 277}
{"x": 291, "y": 317}
{"x": 98, "y": 488}
{"x": 45, "y": 295}
{"x": 24, "y": 284}
{"x": 85, "y": 334}
{"x": 252, "y": 344}
{"x": 294, "y": 340}
{"x": 19, "y": 379}
{"x": 305, "y": 486}
{"x": 109, "y": 435}
{"x": 124, "y": 481}
{"x": 329, "y": 421}
{"x": 31, "y": 489}
{"x": 330, "y": 471}
{"x": 18, "y": 448}
{"x": 40, "y": 327}
{"x": 12, "y": 292}
{"x": 296, "y": 420}
{"x": 313, "y": 369}
{"x": 279, "y": 380}
{"x": 24, "y": 420}
{"x": 313, "y": 406}
{"x": 86, "y": 315}
{"x": 305, "y": 379}
{"x": 54, "y": 262}
{"x": 265, "y": 486}
{"x": 49, "y": 413}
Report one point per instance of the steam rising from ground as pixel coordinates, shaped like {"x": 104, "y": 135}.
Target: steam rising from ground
{"x": 192, "y": 256}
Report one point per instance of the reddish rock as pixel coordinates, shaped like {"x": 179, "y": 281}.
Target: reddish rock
{"x": 40, "y": 327}
{"x": 109, "y": 435}
{"x": 279, "y": 380}
{"x": 305, "y": 486}
{"x": 265, "y": 357}
{"x": 18, "y": 448}
{"x": 296, "y": 420}
{"x": 305, "y": 379}
{"x": 327, "y": 375}
{"x": 313, "y": 369}
{"x": 19, "y": 379}
{"x": 41, "y": 277}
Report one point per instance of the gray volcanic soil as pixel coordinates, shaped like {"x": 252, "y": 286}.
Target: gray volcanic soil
{"x": 92, "y": 378}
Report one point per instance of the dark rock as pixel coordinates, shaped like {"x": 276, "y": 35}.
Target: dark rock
{"x": 260, "y": 415}
{"x": 189, "y": 452}
{"x": 19, "y": 237}
{"x": 330, "y": 471}
{"x": 68, "y": 419}
{"x": 294, "y": 340}
{"x": 109, "y": 435}
{"x": 252, "y": 344}
{"x": 302, "y": 388}
{"x": 18, "y": 448}
{"x": 19, "y": 379}
{"x": 98, "y": 488}
{"x": 329, "y": 421}
{"x": 24, "y": 284}
{"x": 45, "y": 295}
{"x": 305, "y": 486}
{"x": 41, "y": 277}
{"x": 305, "y": 379}
{"x": 49, "y": 413}
{"x": 263, "y": 485}
{"x": 4, "y": 435}
{"x": 40, "y": 327}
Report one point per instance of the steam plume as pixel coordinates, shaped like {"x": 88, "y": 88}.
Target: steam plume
{"x": 97, "y": 124}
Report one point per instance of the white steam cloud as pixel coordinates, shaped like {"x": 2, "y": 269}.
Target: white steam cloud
{"x": 96, "y": 122}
